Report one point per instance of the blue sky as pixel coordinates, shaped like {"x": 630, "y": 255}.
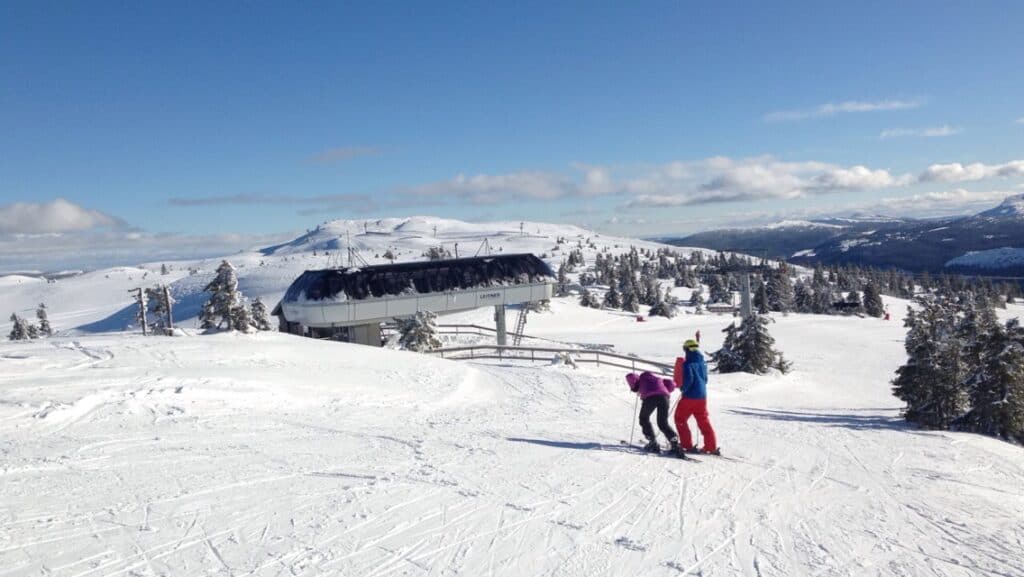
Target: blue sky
{"x": 233, "y": 122}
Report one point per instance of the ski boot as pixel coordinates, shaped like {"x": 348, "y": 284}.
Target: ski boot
{"x": 652, "y": 446}
{"x": 676, "y": 449}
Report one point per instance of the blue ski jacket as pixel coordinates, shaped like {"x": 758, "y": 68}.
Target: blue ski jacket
{"x": 691, "y": 375}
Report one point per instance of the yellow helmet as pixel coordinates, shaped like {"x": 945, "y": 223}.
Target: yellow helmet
{"x": 691, "y": 344}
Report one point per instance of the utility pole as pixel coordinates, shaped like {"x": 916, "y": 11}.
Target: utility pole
{"x": 745, "y": 300}
{"x": 456, "y": 250}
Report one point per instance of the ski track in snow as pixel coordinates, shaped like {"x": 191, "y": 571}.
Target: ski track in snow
{"x": 271, "y": 455}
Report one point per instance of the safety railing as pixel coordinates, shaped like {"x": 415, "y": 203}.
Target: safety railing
{"x": 478, "y": 330}
{"x": 545, "y": 354}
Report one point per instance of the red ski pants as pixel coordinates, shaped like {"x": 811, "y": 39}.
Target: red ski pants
{"x": 698, "y": 409}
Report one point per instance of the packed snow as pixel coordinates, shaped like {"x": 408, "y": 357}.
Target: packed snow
{"x": 272, "y": 454}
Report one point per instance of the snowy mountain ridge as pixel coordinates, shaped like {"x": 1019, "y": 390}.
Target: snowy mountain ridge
{"x": 103, "y": 304}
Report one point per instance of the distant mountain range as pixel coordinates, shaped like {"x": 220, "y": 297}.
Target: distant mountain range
{"x": 990, "y": 242}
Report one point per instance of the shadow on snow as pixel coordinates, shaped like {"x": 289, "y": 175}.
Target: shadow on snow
{"x": 849, "y": 420}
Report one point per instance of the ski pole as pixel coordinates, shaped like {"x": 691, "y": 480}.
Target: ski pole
{"x": 633, "y": 430}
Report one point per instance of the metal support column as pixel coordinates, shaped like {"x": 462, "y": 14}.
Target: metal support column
{"x": 745, "y": 301}
{"x": 499, "y": 324}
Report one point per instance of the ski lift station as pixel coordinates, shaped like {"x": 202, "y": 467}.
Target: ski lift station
{"x": 350, "y": 303}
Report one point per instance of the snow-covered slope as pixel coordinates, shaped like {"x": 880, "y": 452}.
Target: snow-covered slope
{"x": 999, "y": 258}
{"x": 99, "y": 301}
{"x": 270, "y": 454}
{"x": 1012, "y": 207}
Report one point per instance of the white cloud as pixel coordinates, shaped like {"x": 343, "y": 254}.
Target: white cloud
{"x": 956, "y": 172}
{"x": 834, "y": 108}
{"x": 710, "y": 180}
{"x": 498, "y": 188}
{"x": 931, "y": 132}
{"x": 1019, "y": 120}
{"x": 958, "y": 198}
{"x": 56, "y": 216}
{"x": 96, "y": 249}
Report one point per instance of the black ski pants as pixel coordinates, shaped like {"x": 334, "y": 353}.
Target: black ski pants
{"x": 656, "y": 403}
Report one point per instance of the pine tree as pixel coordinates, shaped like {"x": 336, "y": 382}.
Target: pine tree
{"x": 727, "y": 358}
{"x": 562, "y": 287}
{"x": 780, "y": 292}
{"x": 241, "y": 318}
{"x": 853, "y": 300}
{"x": 996, "y": 385}
{"x": 761, "y": 299}
{"x": 663, "y": 308}
{"x": 44, "y": 322}
{"x": 630, "y": 301}
{"x": 612, "y": 299}
{"x": 931, "y": 381}
{"x": 803, "y": 297}
{"x": 821, "y": 303}
{"x": 755, "y": 346}
{"x": 163, "y": 269}
{"x": 419, "y": 332}
{"x": 260, "y": 318}
{"x": 225, "y": 298}
{"x": 20, "y": 330}
{"x": 160, "y": 303}
{"x": 873, "y": 305}
{"x": 718, "y": 291}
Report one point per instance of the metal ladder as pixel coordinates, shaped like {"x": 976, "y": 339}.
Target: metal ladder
{"x": 517, "y": 336}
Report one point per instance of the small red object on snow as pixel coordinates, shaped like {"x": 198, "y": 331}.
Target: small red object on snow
{"x": 640, "y": 318}
{"x": 886, "y": 316}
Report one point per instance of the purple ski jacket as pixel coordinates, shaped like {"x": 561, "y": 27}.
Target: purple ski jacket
{"x": 649, "y": 385}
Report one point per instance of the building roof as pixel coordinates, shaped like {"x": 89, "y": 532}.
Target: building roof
{"x": 419, "y": 277}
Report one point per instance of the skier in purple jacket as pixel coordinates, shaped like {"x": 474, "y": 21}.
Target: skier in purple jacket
{"x": 655, "y": 392}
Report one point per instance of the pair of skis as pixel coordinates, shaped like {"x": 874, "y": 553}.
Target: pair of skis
{"x": 685, "y": 456}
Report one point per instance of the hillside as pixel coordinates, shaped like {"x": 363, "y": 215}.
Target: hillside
{"x": 913, "y": 245}
{"x": 98, "y": 301}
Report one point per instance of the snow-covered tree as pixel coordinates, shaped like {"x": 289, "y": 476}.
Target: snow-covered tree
{"x": 931, "y": 381}
{"x": 241, "y": 318}
{"x": 437, "y": 253}
{"x": 562, "y": 286}
{"x": 755, "y": 346}
{"x": 761, "y": 299}
{"x": 612, "y": 299}
{"x": 718, "y": 290}
{"x": 749, "y": 349}
{"x": 141, "y": 306}
{"x": 160, "y": 305}
{"x": 44, "y": 322}
{"x": 163, "y": 269}
{"x": 873, "y": 305}
{"x": 996, "y": 385}
{"x": 803, "y": 297}
{"x": 225, "y": 298}
{"x": 630, "y": 300}
{"x": 20, "y": 330}
{"x": 260, "y": 318}
{"x": 727, "y": 358}
{"x": 780, "y": 292}
{"x": 419, "y": 332}
{"x": 663, "y": 308}
{"x": 587, "y": 299}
